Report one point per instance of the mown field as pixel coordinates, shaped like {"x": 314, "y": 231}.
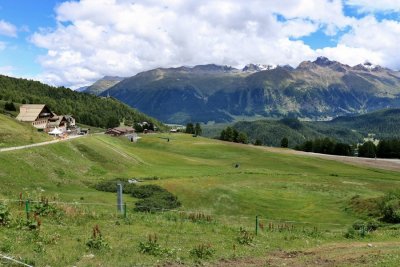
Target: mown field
{"x": 305, "y": 200}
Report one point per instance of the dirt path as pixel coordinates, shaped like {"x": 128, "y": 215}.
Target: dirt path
{"x": 387, "y": 164}
{"x": 328, "y": 255}
{"x": 39, "y": 144}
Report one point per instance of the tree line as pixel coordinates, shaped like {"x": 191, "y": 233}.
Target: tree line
{"x": 327, "y": 146}
{"x": 385, "y": 149}
{"x": 232, "y": 135}
{"x": 193, "y": 129}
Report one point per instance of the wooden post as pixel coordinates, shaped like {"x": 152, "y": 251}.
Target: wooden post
{"x": 120, "y": 206}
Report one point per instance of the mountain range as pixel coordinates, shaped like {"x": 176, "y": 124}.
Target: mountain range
{"x": 321, "y": 89}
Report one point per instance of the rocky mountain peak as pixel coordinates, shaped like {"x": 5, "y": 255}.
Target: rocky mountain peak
{"x": 213, "y": 68}
{"x": 323, "y": 61}
{"x": 257, "y": 67}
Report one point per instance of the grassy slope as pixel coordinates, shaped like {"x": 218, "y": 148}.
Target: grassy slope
{"x": 14, "y": 133}
{"x": 201, "y": 172}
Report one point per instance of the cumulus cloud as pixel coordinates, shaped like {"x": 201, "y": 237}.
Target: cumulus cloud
{"x": 7, "y": 29}
{"x": 375, "y": 6}
{"x": 122, "y": 37}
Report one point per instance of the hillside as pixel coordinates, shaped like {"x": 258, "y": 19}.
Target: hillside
{"x": 313, "y": 90}
{"x": 103, "y": 84}
{"x": 384, "y": 124}
{"x": 14, "y": 133}
{"x": 313, "y": 194}
{"x": 87, "y": 109}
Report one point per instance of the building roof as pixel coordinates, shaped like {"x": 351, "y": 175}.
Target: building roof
{"x": 56, "y": 121}
{"x": 30, "y": 112}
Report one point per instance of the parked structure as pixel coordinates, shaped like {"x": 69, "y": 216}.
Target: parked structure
{"x": 119, "y": 131}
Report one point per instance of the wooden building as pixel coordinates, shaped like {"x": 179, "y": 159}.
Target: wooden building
{"x": 37, "y": 114}
{"x": 119, "y": 131}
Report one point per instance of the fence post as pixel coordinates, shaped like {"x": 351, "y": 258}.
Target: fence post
{"x": 119, "y": 198}
{"x": 125, "y": 210}
{"x": 27, "y": 209}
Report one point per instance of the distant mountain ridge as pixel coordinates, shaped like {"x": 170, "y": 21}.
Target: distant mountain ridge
{"x": 313, "y": 90}
{"x": 101, "y": 85}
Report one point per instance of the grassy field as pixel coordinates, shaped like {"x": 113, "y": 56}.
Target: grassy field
{"x": 231, "y": 183}
{"x": 14, "y": 133}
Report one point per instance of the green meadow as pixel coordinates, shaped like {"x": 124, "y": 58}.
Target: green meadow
{"x": 305, "y": 200}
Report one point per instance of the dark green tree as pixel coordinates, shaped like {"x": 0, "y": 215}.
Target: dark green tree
{"x": 197, "y": 129}
{"x": 242, "y": 138}
{"x": 10, "y": 106}
{"x": 189, "y": 128}
{"x": 367, "y": 150}
{"x": 258, "y": 142}
{"x": 285, "y": 142}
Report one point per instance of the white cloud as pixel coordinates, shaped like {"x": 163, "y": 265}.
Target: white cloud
{"x": 122, "y": 37}
{"x": 375, "y": 5}
{"x": 7, "y": 29}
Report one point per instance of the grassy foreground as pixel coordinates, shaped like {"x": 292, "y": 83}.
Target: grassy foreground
{"x": 231, "y": 183}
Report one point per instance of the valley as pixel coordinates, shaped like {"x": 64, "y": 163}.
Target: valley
{"x": 308, "y": 197}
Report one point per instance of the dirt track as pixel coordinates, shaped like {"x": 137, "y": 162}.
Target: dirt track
{"x": 387, "y": 164}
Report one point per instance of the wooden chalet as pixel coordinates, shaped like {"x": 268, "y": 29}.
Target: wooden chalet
{"x": 37, "y": 114}
{"x": 42, "y": 118}
{"x": 59, "y": 122}
{"x": 119, "y": 131}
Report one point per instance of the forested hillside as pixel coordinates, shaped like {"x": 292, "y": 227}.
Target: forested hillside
{"x": 384, "y": 124}
{"x": 87, "y": 109}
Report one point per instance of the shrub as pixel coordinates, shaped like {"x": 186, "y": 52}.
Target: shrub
{"x": 5, "y": 216}
{"x": 111, "y": 186}
{"x": 151, "y": 246}
{"x": 43, "y": 208}
{"x": 157, "y": 202}
{"x": 145, "y": 191}
{"x": 202, "y": 251}
{"x": 245, "y": 237}
{"x": 96, "y": 241}
{"x": 154, "y": 198}
{"x": 390, "y": 207}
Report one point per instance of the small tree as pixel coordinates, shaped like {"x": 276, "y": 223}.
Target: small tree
{"x": 189, "y": 128}
{"x": 284, "y": 142}
{"x": 367, "y": 150}
{"x": 10, "y": 106}
{"x": 242, "y": 138}
{"x": 197, "y": 129}
{"x": 258, "y": 142}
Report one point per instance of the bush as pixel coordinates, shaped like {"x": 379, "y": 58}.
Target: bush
{"x": 151, "y": 246}
{"x": 146, "y": 191}
{"x": 111, "y": 186}
{"x": 157, "y": 202}
{"x": 96, "y": 241}
{"x": 202, "y": 251}
{"x": 390, "y": 207}
{"x": 5, "y": 216}
{"x": 245, "y": 237}
{"x": 43, "y": 208}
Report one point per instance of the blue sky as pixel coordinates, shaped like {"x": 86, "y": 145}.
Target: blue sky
{"x": 74, "y": 43}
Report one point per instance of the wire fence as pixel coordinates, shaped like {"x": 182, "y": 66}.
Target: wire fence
{"x": 162, "y": 210}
